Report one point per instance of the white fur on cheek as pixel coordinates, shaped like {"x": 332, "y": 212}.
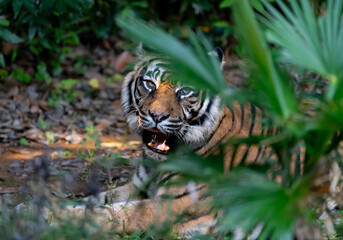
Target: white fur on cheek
{"x": 197, "y": 134}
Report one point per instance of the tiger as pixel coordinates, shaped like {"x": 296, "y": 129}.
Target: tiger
{"x": 167, "y": 114}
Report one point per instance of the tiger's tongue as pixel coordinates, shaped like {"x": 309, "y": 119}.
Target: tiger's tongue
{"x": 159, "y": 142}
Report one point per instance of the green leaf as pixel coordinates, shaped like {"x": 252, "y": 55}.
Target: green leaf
{"x": 2, "y": 60}
{"x": 314, "y": 43}
{"x": 257, "y": 5}
{"x": 248, "y": 198}
{"x": 4, "y": 3}
{"x": 21, "y": 76}
{"x": 44, "y": 5}
{"x": 42, "y": 74}
{"x": 24, "y": 142}
{"x": 32, "y": 31}
{"x": 4, "y": 22}
{"x": 67, "y": 84}
{"x": 49, "y": 136}
{"x": 10, "y": 37}
{"x": 226, "y": 3}
{"x": 221, "y": 24}
{"x": 266, "y": 77}
{"x": 42, "y": 124}
{"x": 192, "y": 165}
{"x": 3, "y": 74}
{"x": 16, "y": 5}
{"x": 57, "y": 70}
{"x": 140, "y": 4}
{"x": 30, "y": 6}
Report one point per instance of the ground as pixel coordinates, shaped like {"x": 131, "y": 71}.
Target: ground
{"x": 73, "y": 128}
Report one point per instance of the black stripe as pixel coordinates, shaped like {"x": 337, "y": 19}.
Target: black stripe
{"x": 195, "y": 94}
{"x": 208, "y": 150}
{"x": 134, "y": 94}
{"x": 196, "y": 112}
{"x": 185, "y": 131}
{"x": 242, "y": 116}
{"x": 141, "y": 111}
{"x": 258, "y": 153}
{"x": 225, "y": 135}
{"x": 204, "y": 116}
{"x": 130, "y": 92}
{"x": 297, "y": 170}
{"x": 230, "y": 130}
{"x": 184, "y": 114}
{"x": 252, "y": 125}
{"x": 172, "y": 125}
{"x": 233, "y": 118}
{"x": 233, "y": 121}
{"x": 163, "y": 75}
{"x": 253, "y": 118}
{"x": 138, "y": 175}
{"x": 193, "y": 113}
{"x": 176, "y": 121}
{"x": 144, "y": 118}
{"x": 188, "y": 192}
{"x": 197, "y": 216}
{"x": 212, "y": 134}
{"x": 132, "y": 109}
{"x": 167, "y": 178}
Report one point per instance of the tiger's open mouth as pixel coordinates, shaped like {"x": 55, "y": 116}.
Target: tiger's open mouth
{"x": 158, "y": 142}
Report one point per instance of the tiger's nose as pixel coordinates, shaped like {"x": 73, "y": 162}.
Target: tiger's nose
{"x": 158, "y": 117}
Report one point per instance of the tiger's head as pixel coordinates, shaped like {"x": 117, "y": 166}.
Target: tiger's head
{"x": 165, "y": 112}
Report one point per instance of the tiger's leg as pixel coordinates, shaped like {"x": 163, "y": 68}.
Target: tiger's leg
{"x": 119, "y": 194}
{"x": 130, "y": 190}
{"x": 140, "y": 214}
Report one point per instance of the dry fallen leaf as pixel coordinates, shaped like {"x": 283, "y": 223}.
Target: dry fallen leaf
{"x": 122, "y": 61}
{"x": 94, "y": 83}
{"x": 74, "y": 137}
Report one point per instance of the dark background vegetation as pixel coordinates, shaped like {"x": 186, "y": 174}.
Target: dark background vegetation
{"x": 43, "y": 31}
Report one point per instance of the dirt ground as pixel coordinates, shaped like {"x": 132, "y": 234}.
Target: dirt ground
{"x": 72, "y": 129}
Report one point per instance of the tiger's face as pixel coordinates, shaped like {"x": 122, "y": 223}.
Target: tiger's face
{"x": 165, "y": 112}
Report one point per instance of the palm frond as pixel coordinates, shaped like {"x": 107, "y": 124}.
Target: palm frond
{"x": 249, "y": 198}
{"x": 266, "y": 77}
{"x": 310, "y": 42}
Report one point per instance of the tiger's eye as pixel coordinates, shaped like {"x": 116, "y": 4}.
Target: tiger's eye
{"x": 185, "y": 91}
{"x": 148, "y": 85}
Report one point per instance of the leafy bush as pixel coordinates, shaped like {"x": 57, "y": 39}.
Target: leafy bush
{"x": 46, "y": 27}
{"x": 302, "y": 40}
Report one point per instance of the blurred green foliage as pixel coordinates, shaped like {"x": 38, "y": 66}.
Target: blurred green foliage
{"x": 46, "y": 28}
{"x": 301, "y": 39}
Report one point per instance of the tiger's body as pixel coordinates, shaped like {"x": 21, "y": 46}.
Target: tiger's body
{"x": 165, "y": 113}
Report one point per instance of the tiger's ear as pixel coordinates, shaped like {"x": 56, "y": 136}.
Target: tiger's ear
{"x": 140, "y": 52}
{"x": 218, "y": 52}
